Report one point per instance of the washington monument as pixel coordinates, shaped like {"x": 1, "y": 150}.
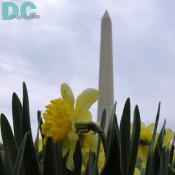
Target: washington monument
{"x": 106, "y": 89}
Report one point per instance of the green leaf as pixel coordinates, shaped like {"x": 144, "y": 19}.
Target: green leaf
{"x": 2, "y": 171}
{"x": 17, "y": 118}
{"x": 102, "y": 126}
{"x": 110, "y": 123}
{"x": 158, "y": 150}
{"x": 161, "y": 137}
{"x": 7, "y": 168}
{"x": 40, "y": 122}
{"x": 30, "y": 159}
{"x": 37, "y": 135}
{"x": 77, "y": 160}
{"x": 149, "y": 163}
{"x": 171, "y": 170}
{"x": 112, "y": 163}
{"x": 91, "y": 163}
{"x": 125, "y": 138}
{"x": 172, "y": 151}
{"x": 103, "y": 120}
{"x": 164, "y": 162}
{"x": 50, "y": 160}
{"x": 26, "y": 113}
{"x": 18, "y": 164}
{"x": 60, "y": 159}
{"x": 9, "y": 142}
{"x": 134, "y": 140}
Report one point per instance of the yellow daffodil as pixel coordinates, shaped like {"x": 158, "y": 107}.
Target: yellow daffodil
{"x": 136, "y": 171}
{"x": 89, "y": 143}
{"x": 40, "y": 145}
{"x": 168, "y": 137}
{"x": 63, "y": 113}
{"x": 101, "y": 159}
{"x": 145, "y": 135}
{"x": 146, "y": 131}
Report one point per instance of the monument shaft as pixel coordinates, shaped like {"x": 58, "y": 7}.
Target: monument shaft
{"x": 106, "y": 98}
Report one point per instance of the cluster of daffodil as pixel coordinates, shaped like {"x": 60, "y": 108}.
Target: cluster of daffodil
{"x": 63, "y": 113}
{"x": 145, "y": 139}
{"x": 68, "y": 142}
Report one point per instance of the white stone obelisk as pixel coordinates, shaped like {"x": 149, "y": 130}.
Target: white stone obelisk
{"x": 106, "y": 90}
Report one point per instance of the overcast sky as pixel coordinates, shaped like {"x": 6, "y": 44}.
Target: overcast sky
{"x": 63, "y": 46}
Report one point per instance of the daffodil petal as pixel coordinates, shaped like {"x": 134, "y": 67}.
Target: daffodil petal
{"x": 143, "y": 152}
{"x": 150, "y": 127}
{"x": 93, "y": 142}
{"x": 40, "y": 145}
{"x": 136, "y": 171}
{"x": 85, "y": 116}
{"x": 85, "y": 156}
{"x": 73, "y": 138}
{"x": 168, "y": 137}
{"x": 142, "y": 125}
{"x": 90, "y": 141}
{"x": 65, "y": 147}
{"x": 86, "y": 99}
{"x": 101, "y": 160}
{"x": 93, "y": 147}
{"x": 67, "y": 94}
{"x": 169, "y": 134}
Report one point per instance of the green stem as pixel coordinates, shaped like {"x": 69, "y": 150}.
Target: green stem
{"x": 91, "y": 126}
